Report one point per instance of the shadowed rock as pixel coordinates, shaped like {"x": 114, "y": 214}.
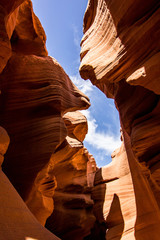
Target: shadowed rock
{"x": 35, "y": 94}
{"x": 72, "y": 217}
{"x": 120, "y": 55}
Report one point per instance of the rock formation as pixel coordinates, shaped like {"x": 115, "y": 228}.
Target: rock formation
{"x": 72, "y": 217}
{"x": 31, "y": 113}
{"x": 120, "y": 55}
{"x": 45, "y": 140}
{"x": 17, "y": 222}
{"x": 114, "y": 197}
{"x": 55, "y": 180}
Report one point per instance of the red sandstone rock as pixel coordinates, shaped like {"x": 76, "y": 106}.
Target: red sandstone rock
{"x": 119, "y": 199}
{"x": 120, "y": 32}
{"x": 28, "y": 36}
{"x": 16, "y": 221}
{"x": 31, "y": 112}
{"x": 114, "y": 197}
{"x": 91, "y": 170}
{"x": 4, "y": 142}
{"x": 76, "y": 124}
{"x": 35, "y": 94}
{"x": 8, "y": 14}
{"x": 72, "y": 217}
{"x": 120, "y": 55}
{"x": 20, "y": 25}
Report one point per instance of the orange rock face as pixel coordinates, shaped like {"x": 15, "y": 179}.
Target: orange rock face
{"x": 17, "y": 222}
{"x": 120, "y": 33}
{"x": 46, "y": 161}
{"x": 124, "y": 205}
{"x": 113, "y": 194}
{"x": 13, "y": 211}
{"x": 28, "y": 36}
{"x": 45, "y": 140}
{"x": 120, "y": 55}
{"x": 72, "y": 217}
{"x": 31, "y": 113}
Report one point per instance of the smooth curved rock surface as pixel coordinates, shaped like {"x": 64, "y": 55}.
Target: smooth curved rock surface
{"x": 72, "y": 217}
{"x": 4, "y": 142}
{"x": 28, "y": 36}
{"x": 21, "y": 30}
{"x": 8, "y": 14}
{"x": 113, "y": 44}
{"x": 120, "y": 55}
{"x": 124, "y": 202}
{"x": 16, "y": 221}
{"x": 35, "y": 94}
{"x": 31, "y": 112}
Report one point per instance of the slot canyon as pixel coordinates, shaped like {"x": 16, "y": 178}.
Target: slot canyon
{"x": 51, "y": 187}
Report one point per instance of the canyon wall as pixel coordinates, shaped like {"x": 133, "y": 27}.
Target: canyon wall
{"x": 72, "y": 217}
{"x": 38, "y": 109}
{"x": 120, "y": 55}
{"x": 49, "y": 178}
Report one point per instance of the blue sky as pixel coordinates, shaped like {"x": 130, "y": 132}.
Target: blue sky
{"x": 63, "y": 23}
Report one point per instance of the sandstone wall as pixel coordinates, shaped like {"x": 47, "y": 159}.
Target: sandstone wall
{"x": 17, "y": 222}
{"x": 72, "y": 217}
{"x": 46, "y": 149}
{"x": 120, "y": 55}
{"x": 46, "y": 161}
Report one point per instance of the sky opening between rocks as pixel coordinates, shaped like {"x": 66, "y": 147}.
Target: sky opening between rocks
{"x": 63, "y": 23}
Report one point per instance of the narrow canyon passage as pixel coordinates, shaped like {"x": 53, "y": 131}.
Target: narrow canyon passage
{"x": 74, "y": 166}
{"x": 63, "y": 42}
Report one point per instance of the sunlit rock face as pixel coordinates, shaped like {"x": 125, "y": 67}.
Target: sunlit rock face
{"x": 120, "y": 55}
{"x": 31, "y": 111}
{"x": 121, "y": 41}
{"x": 73, "y": 217}
{"x": 124, "y": 205}
{"x": 114, "y": 198}
{"x": 21, "y": 29}
{"x": 45, "y": 140}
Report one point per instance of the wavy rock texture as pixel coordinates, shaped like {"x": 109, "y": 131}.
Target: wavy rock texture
{"x": 113, "y": 45}
{"x": 35, "y": 94}
{"x": 31, "y": 112}
{"x": 72, "y": 217}
{"x": 114, "y": 198}
{"x": 20, "y": 30}
{"x": 13, "y": 211}
{"x": 17, "y": 222}
{"x": 28, "y": 36}
{"x": 120, "y": 55}
{"x": 121, "y": 210}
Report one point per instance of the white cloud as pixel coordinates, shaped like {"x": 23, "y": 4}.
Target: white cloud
{"x": 76, "y": 36}
{"x": 85, "y": 86}
{"x": 102, "y": 142}
{"x": 105, "y": 141}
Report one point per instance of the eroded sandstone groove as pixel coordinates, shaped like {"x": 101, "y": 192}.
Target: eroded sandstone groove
{"x": 53, "y": 180}
{"x": 38, "y": 109}
{"x": 120, "y": 55}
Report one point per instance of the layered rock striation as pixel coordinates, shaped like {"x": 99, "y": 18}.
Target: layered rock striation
{"x": 73, "y": 217}
{"x": 57, "y": 179}
{"x": 121, "y": 42}
{"x": 120, "y": 55}
{"x": 45, "y": 142}
{"x": 17, "y": 222}
{"x": 32, "y": 114}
